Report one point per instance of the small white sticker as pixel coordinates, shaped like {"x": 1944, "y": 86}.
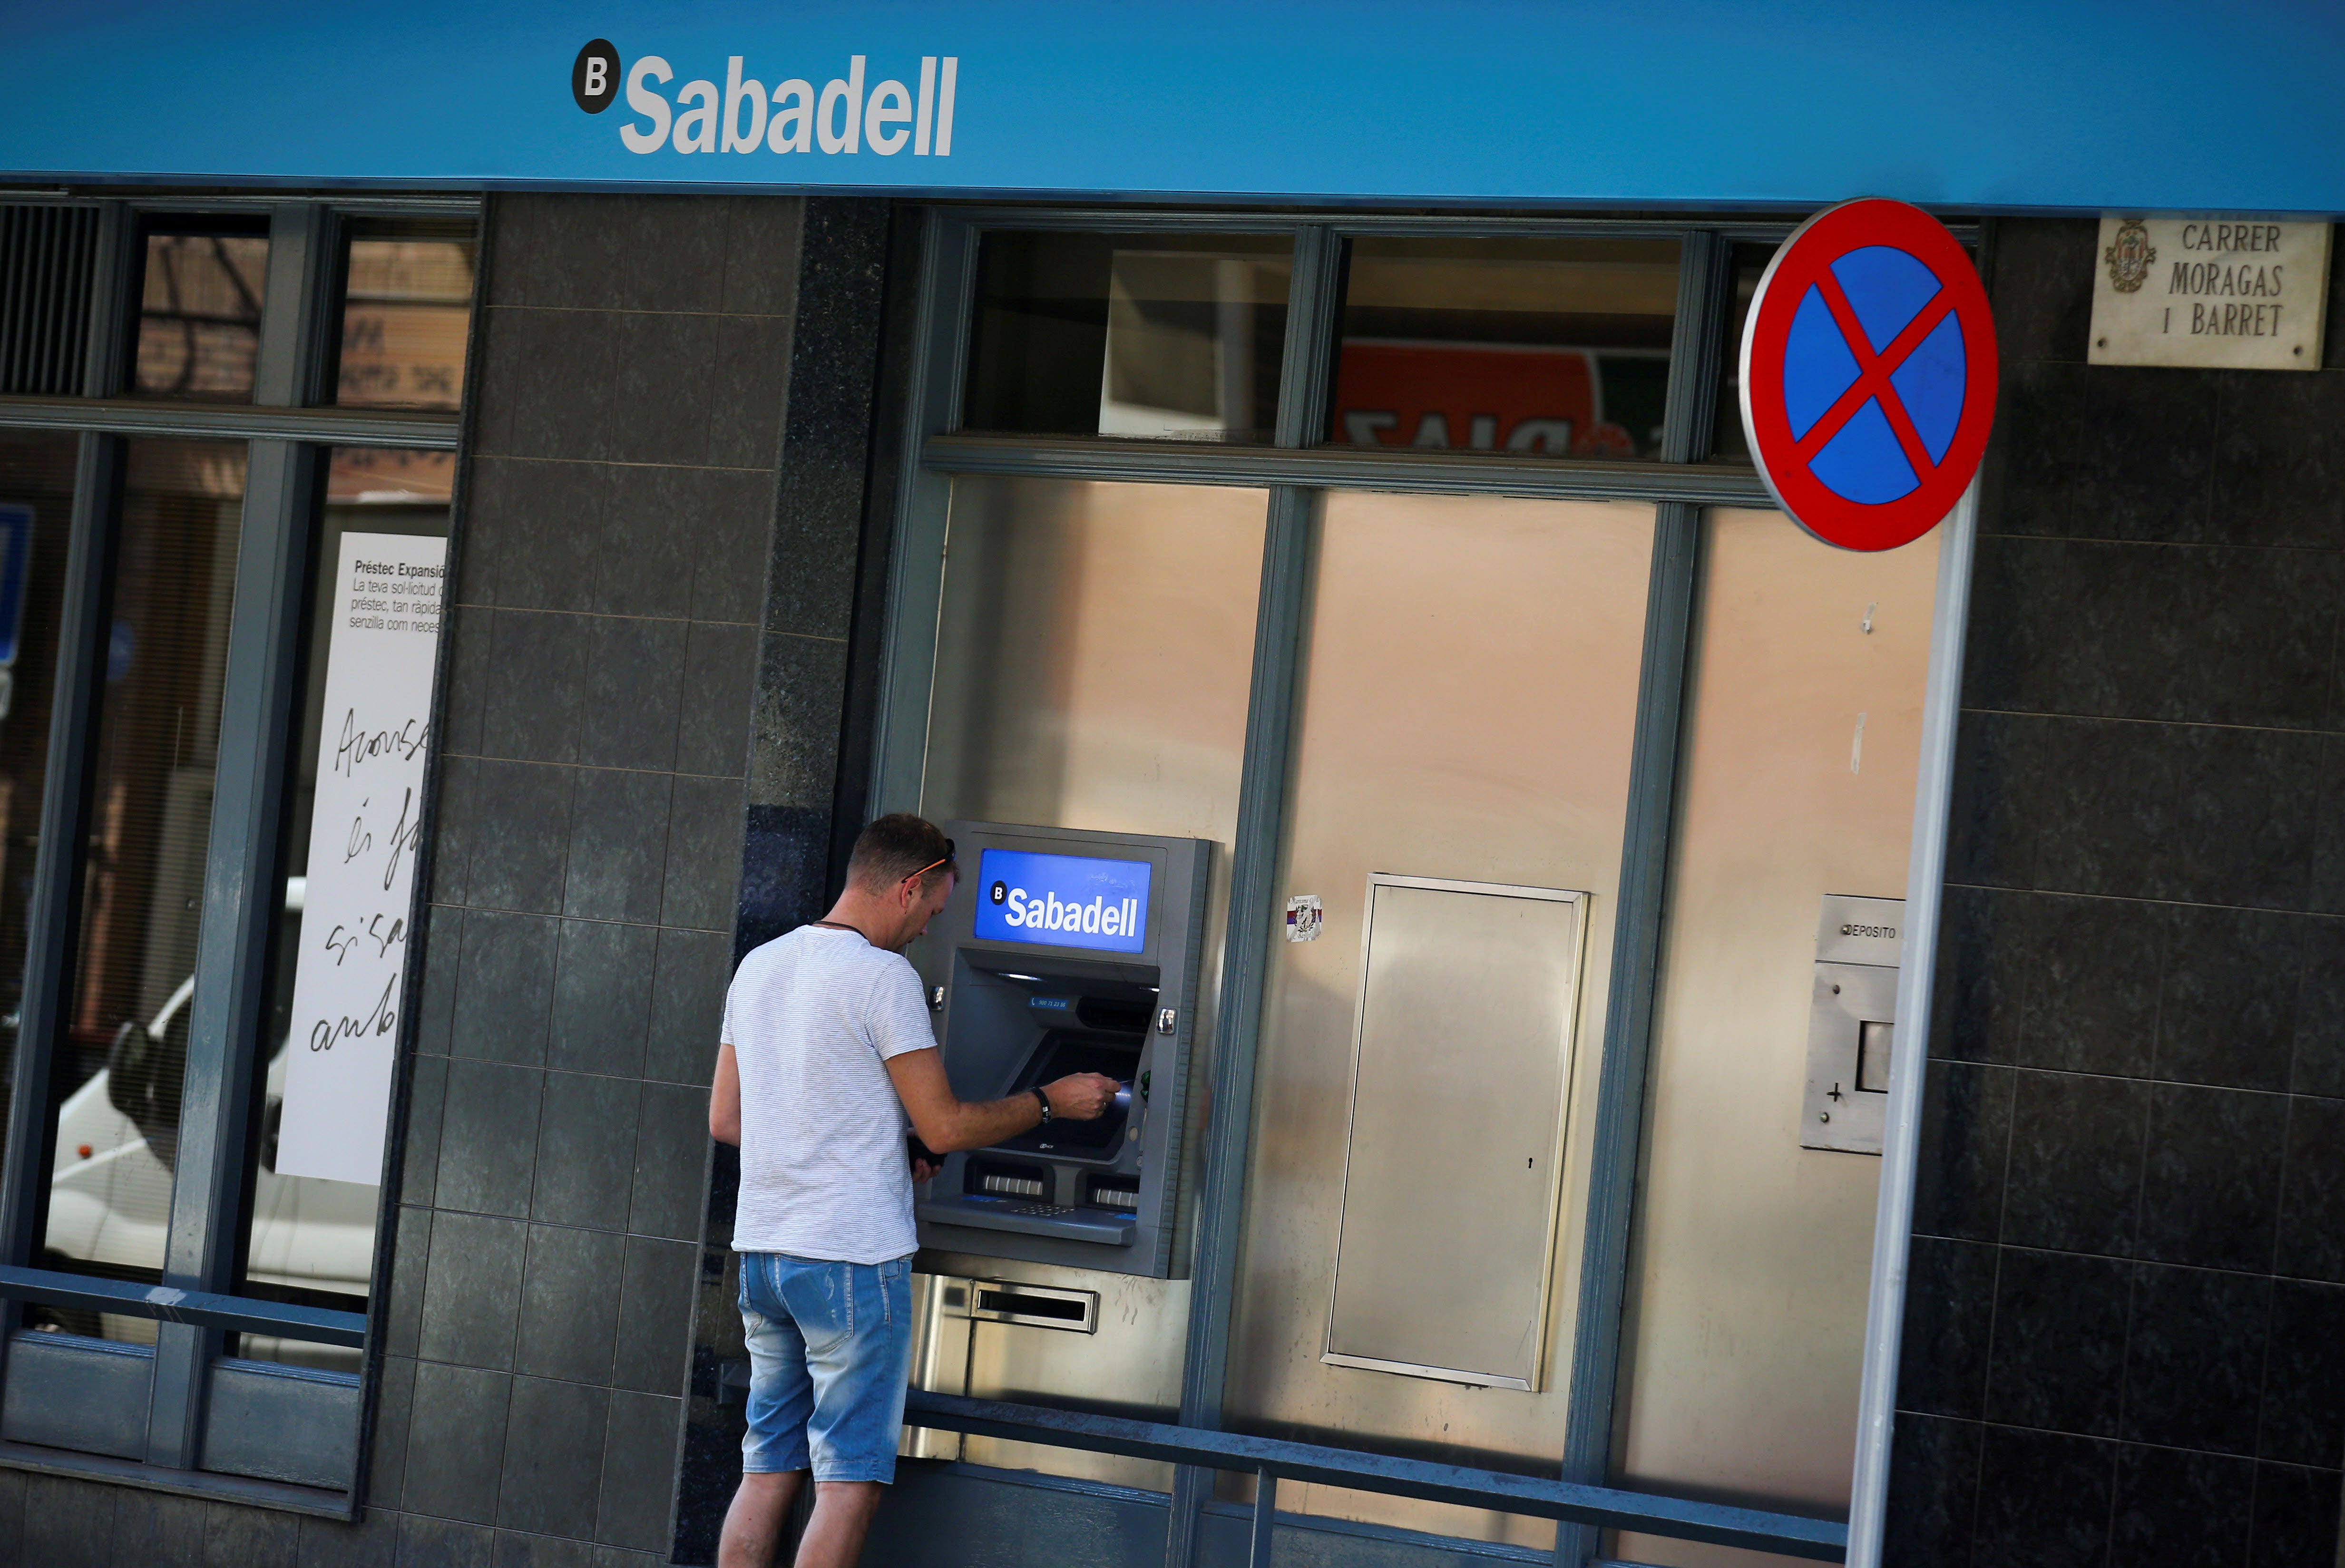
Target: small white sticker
{"x": 1303, "y": 918}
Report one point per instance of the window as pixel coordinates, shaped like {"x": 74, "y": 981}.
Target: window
{"x": 201, "y": 630}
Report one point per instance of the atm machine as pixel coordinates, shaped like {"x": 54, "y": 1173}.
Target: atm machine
{"x": 1064, "y": 952}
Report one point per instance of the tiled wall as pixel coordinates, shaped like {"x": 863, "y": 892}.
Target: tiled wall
{"x": 2125, "y": 1338}
{"x": 815, "y": 635}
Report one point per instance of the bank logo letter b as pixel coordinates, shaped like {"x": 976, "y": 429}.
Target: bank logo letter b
{"x": 594, "y": 76}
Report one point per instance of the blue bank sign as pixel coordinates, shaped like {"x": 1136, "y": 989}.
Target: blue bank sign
{"x": 1785, "y": 104}
{"x": 1062, "y": 900}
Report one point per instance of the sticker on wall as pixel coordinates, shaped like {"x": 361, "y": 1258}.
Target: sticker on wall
{"x": 376, "y": 738}
{"x": 1304, "y": 917}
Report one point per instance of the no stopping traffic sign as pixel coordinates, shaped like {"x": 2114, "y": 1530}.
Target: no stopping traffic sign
{"x": 1868, "y": 374}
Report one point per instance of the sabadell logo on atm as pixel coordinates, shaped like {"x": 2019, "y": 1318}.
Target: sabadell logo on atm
{"x": 858, "y": 112}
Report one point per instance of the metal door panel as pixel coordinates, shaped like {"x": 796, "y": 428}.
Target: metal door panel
{"x": 1446, "y": 1239}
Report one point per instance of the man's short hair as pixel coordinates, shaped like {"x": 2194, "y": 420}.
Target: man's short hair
{"x": 894, "y": 847}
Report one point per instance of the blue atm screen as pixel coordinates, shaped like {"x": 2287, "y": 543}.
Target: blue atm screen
{"x": 1062, "y": 900}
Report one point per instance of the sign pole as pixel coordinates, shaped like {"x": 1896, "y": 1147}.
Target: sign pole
{"x": 1925, "y": 872}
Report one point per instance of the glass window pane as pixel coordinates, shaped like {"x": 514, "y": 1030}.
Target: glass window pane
{"x": 36, "y": 495}
{"x": 373, "y": 632}
{"x": 199, "y": 311}
{"x": 1095, "y": 656}
{"x": 1129, "y": 335}
{"x": 406, "y": 305}
{"x": 1552, "y": 347}
{"x": 120, "y": 1061}
{"x": 1726, "y": 442}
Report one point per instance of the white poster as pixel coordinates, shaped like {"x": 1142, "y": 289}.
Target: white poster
{"x": 347, "y": 998}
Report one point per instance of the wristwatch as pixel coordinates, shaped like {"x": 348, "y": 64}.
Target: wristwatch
{"x": 1045, "y": 1102}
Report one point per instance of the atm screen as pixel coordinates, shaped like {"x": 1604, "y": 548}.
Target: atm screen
{"x": 1062, "y": 900}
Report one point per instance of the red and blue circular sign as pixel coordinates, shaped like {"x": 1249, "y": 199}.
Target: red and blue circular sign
{"x": 1869, "y": 374}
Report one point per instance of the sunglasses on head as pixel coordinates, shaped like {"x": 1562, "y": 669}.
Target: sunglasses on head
{"x": 933, "y": 864}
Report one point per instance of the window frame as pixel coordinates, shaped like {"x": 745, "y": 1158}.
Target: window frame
{"x": 1684, "y": 479}
{"x": 311, "y": 1452}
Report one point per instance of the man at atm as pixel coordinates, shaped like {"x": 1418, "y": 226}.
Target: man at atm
{"x": 827, "y": 1047}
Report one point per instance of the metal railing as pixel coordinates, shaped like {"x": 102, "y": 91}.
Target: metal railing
{"x": 1272, "y": 1459}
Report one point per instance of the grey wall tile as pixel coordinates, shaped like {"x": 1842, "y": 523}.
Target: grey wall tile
{"x": 655, "y": 1316}
{"x": 2059, "y": 1342}
{"x": 537, "y": 678}
{"x": 794, "y": 733}
{"x": 638, "y": 1467}
{"x": 536, "y": 525}
{"x": 427, "y": 1098}
{"x": 2196, "y": 634}
{"x": 2175, "y": 1506}
{"x": 688, "y": 1007}
{"x": 453, "y": 829}
{"x": 651, "y": 523}
{"x": 2210, "y": 1186}
{"x": 472, "y": 1298}
{"x": 2279, "y": 478}
{"x": 504, "y": 988}
{"x": 472, "y": 634}
{"x": 12, "y": 1514}
{"x": 556, "y": 372}
{"x": 518, "y": 1550}
{"x": 2043, "y": 286}
{"x": 410, "y": 1266}
{"x": 2093, "y": 969}
{"x": 2186, "y": 1386}
{"x": 516, "y": 861}
{"x": 553, "y": 1451}
{"x": 2295, "y": 1521}
{"x": 634, "y": 682}
{"x": 240, "y": 1537}
{"x": 394, "y": 1408}
{"x": 443, "y": 937}
{"x": 153, "y": 1528}
{"x": 671, "y": 1157}
{"x": 2227, "y": 1008}
{"x": 703, "y": 854}
{"x": 570, "y": 1303}
{"x": 488, "y": 1137}
{"x": 810, "y": 589}
{"x": 2083, "y": 470}
{"x": 667, "y": 251}
{"x": 663, "y": 376}
{"x": 2317, "y": 1053}
{"x": 2194, "y": 814}
{"x": 1965, "y": 1149}
{"x": 761, "y": 249}
{"x": 2303, "y": 1418}
{"x": 732, "y": 531}
{"x": 2312, "y": 1196}
{"x": 586, "y": 1136}
{"x": 619, "y": 830}
{"x": 425, "y": 1543}
{"x": 602, "y": 993}
{"x": 372, "y": 1541}
{"x": 69, "y": 1524}
{"x": 720, "y": 669}
{"x": 1932, "y": 1491}
{"x": 455, "y": 1446}
{"x": 753, "y": 367}
{"x": 2076, "y": 1151}
{"x": 560, "y": 251}
{"x": 2327, "y": 892}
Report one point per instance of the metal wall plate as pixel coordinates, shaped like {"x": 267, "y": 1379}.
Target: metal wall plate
{"x": 1852, "y": 1023}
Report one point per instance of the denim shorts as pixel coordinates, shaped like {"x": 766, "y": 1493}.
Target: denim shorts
{"x": 830, "y": 1349}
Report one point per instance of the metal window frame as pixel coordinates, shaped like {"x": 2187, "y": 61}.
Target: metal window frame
{"x": 289, "y": 433}
{"x": 1294, "y": 473}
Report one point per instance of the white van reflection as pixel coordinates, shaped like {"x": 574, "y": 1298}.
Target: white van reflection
{"x": 110, "y": 1202}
